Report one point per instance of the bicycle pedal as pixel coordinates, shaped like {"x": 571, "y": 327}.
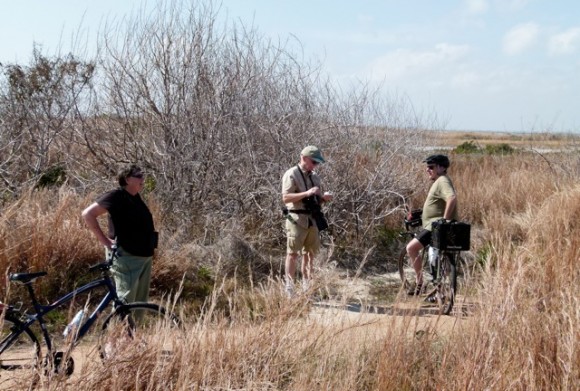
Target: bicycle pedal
{"x": 67, "y": 368}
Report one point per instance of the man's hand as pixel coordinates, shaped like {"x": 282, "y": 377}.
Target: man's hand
{"x": 327, "y": 196}
{"x": 313, "y": 191}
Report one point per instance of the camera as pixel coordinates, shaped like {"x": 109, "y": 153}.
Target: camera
{"x": 312, "y": 204}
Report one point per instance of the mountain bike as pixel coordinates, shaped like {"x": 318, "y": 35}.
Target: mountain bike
{"x": 139, "y": 323}
{"x": 439, "y": 273}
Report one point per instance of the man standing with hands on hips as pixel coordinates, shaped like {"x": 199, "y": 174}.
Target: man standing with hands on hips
{"x": 302, "y": 195}
{"x": 131, "y": 228}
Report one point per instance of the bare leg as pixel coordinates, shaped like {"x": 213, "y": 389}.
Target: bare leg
{"x": 307, "y": 265}
{"x": 290, "y": 269}
{"x": 413, "y": 249}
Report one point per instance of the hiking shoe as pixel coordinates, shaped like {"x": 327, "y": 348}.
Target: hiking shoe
{"x": 431, "y": 299}
{"x": 416, "y": 290}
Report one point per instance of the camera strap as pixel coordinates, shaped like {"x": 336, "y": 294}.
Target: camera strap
{"x": 304, "y": 178}
{"x": 309, "y": 212}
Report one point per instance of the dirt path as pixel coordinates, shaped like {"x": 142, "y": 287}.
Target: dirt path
{"x": 355, "y": 317}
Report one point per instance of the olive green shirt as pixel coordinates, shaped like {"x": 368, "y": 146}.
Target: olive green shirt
{"x": 434, "y": 208}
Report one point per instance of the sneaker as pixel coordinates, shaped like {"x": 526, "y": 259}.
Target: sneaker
{"x": 416, "y": 290}
{"x": 431, "y": 299}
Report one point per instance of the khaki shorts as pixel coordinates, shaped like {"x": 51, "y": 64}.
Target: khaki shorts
{"x": 301, "y": 239}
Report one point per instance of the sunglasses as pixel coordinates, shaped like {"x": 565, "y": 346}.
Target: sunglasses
{"x": 430, "y": 167}
{"x": 314, "y": 162}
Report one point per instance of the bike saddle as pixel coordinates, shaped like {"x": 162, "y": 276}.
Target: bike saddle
{"x": 26, "y": 277}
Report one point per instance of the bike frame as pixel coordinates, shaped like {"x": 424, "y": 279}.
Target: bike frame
{"x": 42, "y": 310}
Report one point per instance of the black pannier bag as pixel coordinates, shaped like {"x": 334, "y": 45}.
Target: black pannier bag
{"x": 451, "y": 236}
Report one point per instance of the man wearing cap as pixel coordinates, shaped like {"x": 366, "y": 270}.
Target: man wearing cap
{"x": 298, "y": 184}
{"x": 441, "y": 203}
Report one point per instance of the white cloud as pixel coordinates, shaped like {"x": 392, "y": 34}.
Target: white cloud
{"x": 512, "y": 5}
{"x": 466, "y": 79}
{"x": 358, "y": 38}
{"x": 477, "y": 7}
{"x": 403, "y": 63}
{"x": 565, "y": 43}
{"x": 520, "y": 38}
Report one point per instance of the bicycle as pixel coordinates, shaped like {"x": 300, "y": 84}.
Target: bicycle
{"x": 137, "y": 323}
{"x": 442, "y": 271}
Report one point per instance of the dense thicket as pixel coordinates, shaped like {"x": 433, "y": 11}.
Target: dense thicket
{"x": 215, "y": 114}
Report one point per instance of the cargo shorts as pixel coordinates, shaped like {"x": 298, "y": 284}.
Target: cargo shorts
{"x": 301, "y": 239}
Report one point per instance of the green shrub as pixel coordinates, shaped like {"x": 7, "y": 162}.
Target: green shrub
{"x": 54, "y": 176}
{"x": 499, "y": 149}
{"x": 467, "y": 147}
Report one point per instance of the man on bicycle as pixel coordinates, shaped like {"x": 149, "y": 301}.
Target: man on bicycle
{"x": 441, "y": 203}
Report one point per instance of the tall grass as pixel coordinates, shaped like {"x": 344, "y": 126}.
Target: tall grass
{"x": 519, "y": 329}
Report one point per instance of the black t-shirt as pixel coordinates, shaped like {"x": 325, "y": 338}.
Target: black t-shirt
{"x": 130, "y": 221}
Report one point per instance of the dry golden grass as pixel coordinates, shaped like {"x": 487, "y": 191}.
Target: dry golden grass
{"x": 518, "y": 330}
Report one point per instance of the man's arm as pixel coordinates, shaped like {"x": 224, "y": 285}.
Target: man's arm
{"x": 90, "y": 215}
{"x": 290, "y": 198}
{"x": 450, "y": 207}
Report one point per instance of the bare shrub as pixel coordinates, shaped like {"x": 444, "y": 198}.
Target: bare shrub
{"x": 38, "y": 106}
{"x": 216, "y": 114}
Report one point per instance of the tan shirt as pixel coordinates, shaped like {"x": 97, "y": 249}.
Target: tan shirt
{"x": 434, "y": 208}
{"x": 292, "y": 182}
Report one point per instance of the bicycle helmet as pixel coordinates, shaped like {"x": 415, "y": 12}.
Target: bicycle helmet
{"x": 440, "y": 160}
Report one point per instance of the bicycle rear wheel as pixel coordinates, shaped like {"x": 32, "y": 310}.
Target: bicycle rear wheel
{"x": 138, "y": 328}
{"x": 19, "y": 354}
{"x": 447, "y": 283}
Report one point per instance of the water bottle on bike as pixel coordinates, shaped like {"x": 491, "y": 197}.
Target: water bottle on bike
{"x": 74, "y": 324}
{"x": 433, "y": 259}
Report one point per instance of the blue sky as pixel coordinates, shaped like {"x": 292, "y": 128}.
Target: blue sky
{"x": 501, "y": 65}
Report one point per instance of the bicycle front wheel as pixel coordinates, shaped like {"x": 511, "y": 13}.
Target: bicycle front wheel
{"x": 138, "y": 328}
{"x": 447, "y": 285}
{"x": 19, "y": 354}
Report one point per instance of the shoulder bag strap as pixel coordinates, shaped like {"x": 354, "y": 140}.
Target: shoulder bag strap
{"x": 303, "y": 178}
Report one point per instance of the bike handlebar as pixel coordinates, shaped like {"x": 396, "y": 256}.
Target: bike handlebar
{"x": 113, "y": 253}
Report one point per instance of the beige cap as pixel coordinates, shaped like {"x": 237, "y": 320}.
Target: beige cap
{"x": 313, "y": 153}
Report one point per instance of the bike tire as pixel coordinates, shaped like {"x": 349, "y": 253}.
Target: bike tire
{"x": 140, "y": 325}
{"x": 406, "y": 271}
{"x": 20, "y": 354}
{"x": 447, "y": 287}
